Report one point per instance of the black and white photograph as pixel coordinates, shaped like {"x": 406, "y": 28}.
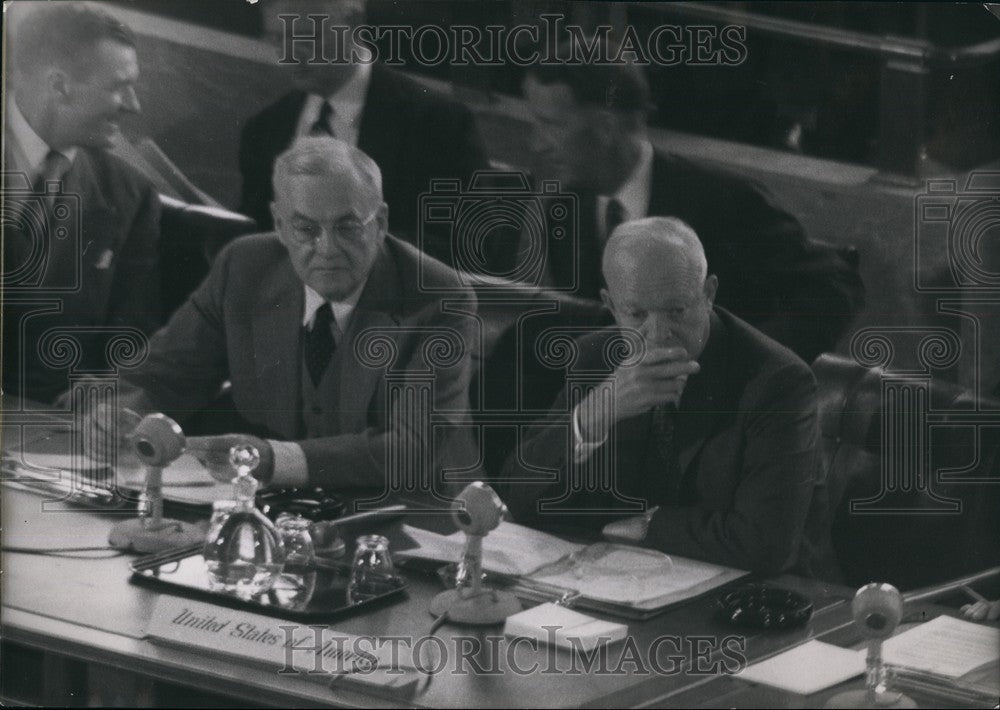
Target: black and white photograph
{"x": 500, "y": 353}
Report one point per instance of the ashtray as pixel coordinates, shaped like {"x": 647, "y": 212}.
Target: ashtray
{"x": 758, "y": 606}
{"x": 314, "y": 504}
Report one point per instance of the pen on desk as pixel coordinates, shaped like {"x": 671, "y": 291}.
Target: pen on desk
{"x": 390, "y": 510}
{"x": 976, "y": 596}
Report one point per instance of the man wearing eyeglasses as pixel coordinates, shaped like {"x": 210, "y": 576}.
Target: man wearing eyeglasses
{"x": 319, "y": 327}
{"x": 701, "y": 418}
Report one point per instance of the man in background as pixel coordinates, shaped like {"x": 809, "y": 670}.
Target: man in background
{"x": 590, "y": 134}
{"x": 75, "y": 70}
{"x": 412, "y": 133}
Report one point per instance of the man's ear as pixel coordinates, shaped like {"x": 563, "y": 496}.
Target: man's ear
{"x": 383, "y": 218}
{"x": 711, "y": 286}
{"x": 606, "y": 300}
{"x": 276, "y": 217}
{"x": 57, "y": 82}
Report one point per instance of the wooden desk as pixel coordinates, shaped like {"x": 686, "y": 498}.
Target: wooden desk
{"x": 89, "y": 611}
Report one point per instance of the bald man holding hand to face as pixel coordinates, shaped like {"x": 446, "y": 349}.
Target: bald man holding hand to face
{"x": 709, "y": 420}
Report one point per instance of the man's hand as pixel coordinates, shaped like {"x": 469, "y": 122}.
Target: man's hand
{"x": 659, "y": 378}
{"x": 213, "y": 453}
{"x": 982, "y": 611}
{"x": 107, "y": 435}
{"x": 65, "y": 400}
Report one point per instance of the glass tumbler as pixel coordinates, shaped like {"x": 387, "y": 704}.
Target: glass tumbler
{"x": 297, "y": 539}
{"x": 372, "y": 572}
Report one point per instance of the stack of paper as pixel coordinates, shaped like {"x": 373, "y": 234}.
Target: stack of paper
{"x": 562, "y": 627}
{"x": 184, "y": 481}
{"x": 511, "y": 549}
{"x": 644, "y": 578}
{"x": 945, "y": 647}
{"x": 609, "y": 573}
{"x": 807, "y": 669}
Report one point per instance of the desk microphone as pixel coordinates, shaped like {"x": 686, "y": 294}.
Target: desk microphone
{"x": 877, "y": 610}
{"x": 476, "y": 511}
{"x": 157, "y": 441}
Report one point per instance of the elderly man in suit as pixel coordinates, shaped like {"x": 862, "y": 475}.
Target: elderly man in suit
{"x": 319, "y": 327}
{"x": 706, "y": 418}
{"x": 413, "y": 134}
{"x": 75, "y": 70}
{"x": 590, "y": 134}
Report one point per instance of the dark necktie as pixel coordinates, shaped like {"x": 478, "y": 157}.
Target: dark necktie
{"x": 321, "y": 126}
{"x": 319, "y": 343}
{"x": 664, "y": 417}
{"x": 53, "y": 168}
{"x": 22, "y": 245}
{"x": 614, "y": 214}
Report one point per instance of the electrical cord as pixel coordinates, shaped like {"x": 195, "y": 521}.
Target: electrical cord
{"x": 428, "y": 676}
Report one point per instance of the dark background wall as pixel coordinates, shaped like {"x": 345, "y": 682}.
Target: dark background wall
{"x": 199, "y": 87}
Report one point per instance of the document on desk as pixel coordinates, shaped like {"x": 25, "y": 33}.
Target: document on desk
{"x": 511, "y": 549}
{"x": 945, "y": 647}
{"x": 184, "y": 481}
{"x": 807, "y": 669}
{"x": 616, "y": 575}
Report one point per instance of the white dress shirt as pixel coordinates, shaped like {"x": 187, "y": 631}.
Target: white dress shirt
{"x": 25, "y": 146}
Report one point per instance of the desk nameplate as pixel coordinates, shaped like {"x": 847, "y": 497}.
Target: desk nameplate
{"x": 313, "y": 651}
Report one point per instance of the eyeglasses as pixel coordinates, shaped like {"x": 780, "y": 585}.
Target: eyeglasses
{"x": 309, "y": 233}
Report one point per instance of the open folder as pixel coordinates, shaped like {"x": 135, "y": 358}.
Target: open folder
{"x": 45, "y": 464}
{"x": 628, "y": 581}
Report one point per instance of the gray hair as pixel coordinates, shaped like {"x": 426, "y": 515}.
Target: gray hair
{"x": 668, "y": 231}
{"x": 324, "y": 155}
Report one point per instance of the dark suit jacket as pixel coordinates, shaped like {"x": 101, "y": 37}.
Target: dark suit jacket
{"x": 747, "y": 439}
{"x": 103, "y": 276}
{"x": 413, "y": 134}
{"x": 243, "y": 324}
{"x": 801, "y": 292}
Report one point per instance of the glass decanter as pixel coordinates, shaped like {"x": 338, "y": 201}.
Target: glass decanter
{"x": 243, "y": 553}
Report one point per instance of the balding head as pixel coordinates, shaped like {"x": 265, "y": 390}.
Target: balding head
{"x": 662, "y": 244}
{"x": 658, "y": 282}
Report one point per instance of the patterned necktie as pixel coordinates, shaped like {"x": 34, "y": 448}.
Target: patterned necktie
{"x": 322, "y": 125}
{"x": 664, "y": 417}
{"x": 614, "y": 214}
{"x": 319, "y": 343}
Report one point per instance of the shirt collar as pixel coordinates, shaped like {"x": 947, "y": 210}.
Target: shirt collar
{"x": 633, "y": 195}
{"x": 342, "y": 310}
{"x": 31, "y": 149}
